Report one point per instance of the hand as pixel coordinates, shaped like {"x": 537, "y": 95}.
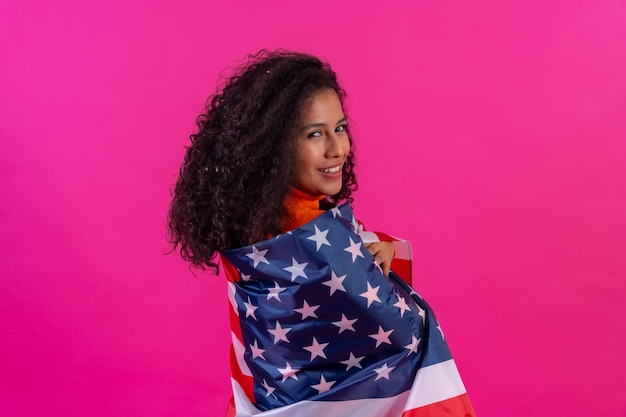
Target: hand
{"x": 383, "y": 253}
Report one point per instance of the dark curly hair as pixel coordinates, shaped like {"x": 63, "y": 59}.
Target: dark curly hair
{"x": 240, "y": 165}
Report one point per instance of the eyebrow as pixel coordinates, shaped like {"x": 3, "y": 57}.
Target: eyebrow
{"x": 309, "y": 126}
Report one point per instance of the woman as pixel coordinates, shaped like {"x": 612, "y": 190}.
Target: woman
{"x": 319, "y": 324}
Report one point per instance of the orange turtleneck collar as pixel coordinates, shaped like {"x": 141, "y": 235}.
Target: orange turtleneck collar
{"x": 302, "y": 207}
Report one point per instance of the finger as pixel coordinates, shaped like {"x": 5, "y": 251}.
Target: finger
{"x": 386, "y": 268}
{"x": 373, "y": 250}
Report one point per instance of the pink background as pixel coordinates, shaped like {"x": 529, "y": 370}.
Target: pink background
{"x": 498, "y": 129}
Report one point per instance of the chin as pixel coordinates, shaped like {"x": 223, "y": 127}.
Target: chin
{"x": 333, "y": 192}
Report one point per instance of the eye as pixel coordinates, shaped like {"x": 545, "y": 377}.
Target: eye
{"x": 341, "y": 128}
{"x": 315, "y": 134}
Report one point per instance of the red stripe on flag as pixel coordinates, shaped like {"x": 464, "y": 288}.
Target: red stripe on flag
{"x": 246, "y": 382}
{"x": 403, "y": 268}
{"x": 235, "y": 327}
{"x": 232, "y": 274}
{"x": 230, "y": 410}
{"x": 459, "y": 406}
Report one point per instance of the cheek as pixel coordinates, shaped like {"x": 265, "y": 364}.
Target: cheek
{"x": 305, "y": 159}
{"x": 347, "y": 146}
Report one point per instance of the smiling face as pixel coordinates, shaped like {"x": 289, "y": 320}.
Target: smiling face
{"x": 323, "y": 145}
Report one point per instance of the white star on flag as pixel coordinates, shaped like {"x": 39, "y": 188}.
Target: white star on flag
{"x": 345, "y": 323}
{"x": 257, "y": 352}
{"x": 354, "y": 249}
{"x": 422, "y": 313}
{"x": 383, "y": 372}
{"x": 268, "y": 388}
{"x": 257, "y": 256}
{"x": 382, "y": 336}
{"x": 371, "y": 294}
{"x": 288, "y": 372}
{"x": 412, "y": 347}
{"x": 401, "y": 304}
{"x": 323, "y": 386}
{"x": 244, "y": 277}
{"x": 319, "y": 238}
{"x": 316, "y": 349}
{"x": 353, "y": 362}
{"x": 335, "y": 283}
{"x": 279, "y": 333}
{"x": 250, "y": 308}
{"x": 307, "y": 310}
{"x": 274, "y": 292}
{"x": 296, "y": 269}
{"x": 336, "y": 212}
{"x": 440, "y": 331}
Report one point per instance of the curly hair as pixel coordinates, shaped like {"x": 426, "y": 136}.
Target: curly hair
{"x": 240, "y": 165}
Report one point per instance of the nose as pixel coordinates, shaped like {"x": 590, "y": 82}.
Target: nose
{"x": 337, "y": 145}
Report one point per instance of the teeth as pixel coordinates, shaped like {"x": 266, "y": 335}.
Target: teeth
{"x": 331, "y": 170}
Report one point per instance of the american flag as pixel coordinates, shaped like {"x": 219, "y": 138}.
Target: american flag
{"x": 317, "y": 328}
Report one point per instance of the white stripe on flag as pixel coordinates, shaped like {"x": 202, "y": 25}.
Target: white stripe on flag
{"x": 403, "y": 249}
{"x": 368, "y": 237}
{"x": 435, "y": 383}
{"x": 231, "y": 297}
{"x": 239, "y": 351}
{"x": 369, "y": 407}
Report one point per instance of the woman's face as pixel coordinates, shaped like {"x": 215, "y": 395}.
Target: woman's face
{"x": 323, "y": 145}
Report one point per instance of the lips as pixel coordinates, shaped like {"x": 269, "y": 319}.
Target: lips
{"x": 332, "y": 170}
